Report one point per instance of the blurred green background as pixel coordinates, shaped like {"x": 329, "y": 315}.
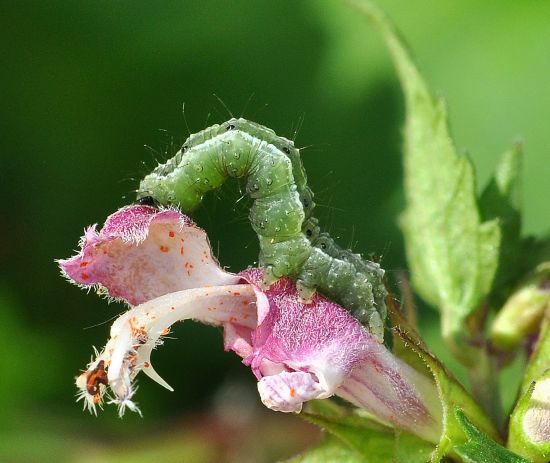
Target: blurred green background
{"x": 85, "y": 85}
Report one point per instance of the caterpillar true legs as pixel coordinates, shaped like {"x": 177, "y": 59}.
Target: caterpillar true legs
{"x": 281, "y": 214}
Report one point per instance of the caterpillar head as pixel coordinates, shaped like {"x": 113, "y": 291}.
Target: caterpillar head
{"x": 167, "y": 191}
{"x": 148, "y": 201}
{"x": 154, "y": 186}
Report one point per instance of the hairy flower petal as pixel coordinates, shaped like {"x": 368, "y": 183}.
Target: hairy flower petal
{"x": 395, "y": 393}
{"x": 142, "y": 253}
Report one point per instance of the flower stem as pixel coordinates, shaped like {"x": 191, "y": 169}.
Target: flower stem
{"x": 483, "y": 375}
{"x": 466, "y": 341}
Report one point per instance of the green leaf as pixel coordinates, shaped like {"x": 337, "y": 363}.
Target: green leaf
{"x": 453, "y": 255}
{"x": 371, "y": 440}
{"x": 366, "y": 437}
{"x": 329, "y": 450}
{"x": 411, "y": 449}
{"x": 501, "y": 200}
{"x": 480, "y": 448}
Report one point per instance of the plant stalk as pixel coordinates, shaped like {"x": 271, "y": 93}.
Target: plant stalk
{"x": 484, "y": 375}
{"x": 468, "y": 345}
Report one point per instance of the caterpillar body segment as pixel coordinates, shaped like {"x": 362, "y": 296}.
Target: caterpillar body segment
{"x": 357, "y": 283}
{"x": 211, "y": 156}
{"x": 291, "y": 243}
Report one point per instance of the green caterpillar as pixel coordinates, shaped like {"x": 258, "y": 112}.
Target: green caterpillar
{"x": 291, "y": 243}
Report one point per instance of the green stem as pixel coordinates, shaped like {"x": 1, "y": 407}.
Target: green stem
{"x": 467, "y": 343}
{"x": 484, "y": 375}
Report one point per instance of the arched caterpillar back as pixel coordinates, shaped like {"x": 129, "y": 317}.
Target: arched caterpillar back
{"x": 291, "y": 242}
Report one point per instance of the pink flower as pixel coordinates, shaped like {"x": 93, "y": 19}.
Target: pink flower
{"x": 161, "y": 263}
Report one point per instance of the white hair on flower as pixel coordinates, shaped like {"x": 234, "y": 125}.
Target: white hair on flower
{"x": 137, "y": 332}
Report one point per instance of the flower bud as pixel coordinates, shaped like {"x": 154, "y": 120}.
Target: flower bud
{"x": 523, "y": 311}
{"x": 530, "y": 422}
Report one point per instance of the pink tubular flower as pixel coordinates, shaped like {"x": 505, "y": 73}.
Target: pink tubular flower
{"x": 161, "y": 263}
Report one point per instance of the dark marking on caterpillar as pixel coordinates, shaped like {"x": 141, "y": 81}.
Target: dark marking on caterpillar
{"x": 291, "y": 242}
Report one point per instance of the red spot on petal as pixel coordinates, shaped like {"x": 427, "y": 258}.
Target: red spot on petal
{"x": 292, "y": 392}
{"x": 172, "y": 308}
{"x": 146, "y": 365}
{"x": 83, "y": 264}
{"x": 84, "y": 276}
{"x": 171, "y": 234}
{"x": 163, "y": 248}
{"x": 182, "y": 252}
{"x": 165, "y": 331}
{"x": 245, "y": 302}
{"x": 236, "y": 293}
{"x": 232, "y": 319}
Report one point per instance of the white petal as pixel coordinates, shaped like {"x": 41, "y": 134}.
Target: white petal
{"x": 287, "y": 391}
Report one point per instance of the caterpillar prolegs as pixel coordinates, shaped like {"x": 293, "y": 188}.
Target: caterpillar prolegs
{"x": 291, "y": 243}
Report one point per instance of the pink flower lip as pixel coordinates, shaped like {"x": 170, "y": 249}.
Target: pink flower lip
{"x": 142, "y": 253}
